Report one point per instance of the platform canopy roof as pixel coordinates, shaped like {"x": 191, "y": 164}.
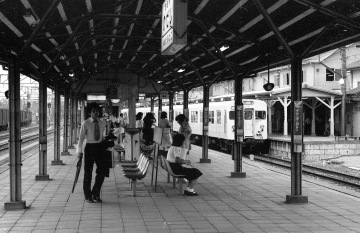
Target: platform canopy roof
{"x": 55, "y": 39}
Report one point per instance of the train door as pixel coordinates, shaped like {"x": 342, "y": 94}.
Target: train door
{"x": 248, "y": 123}
{"x": 219, "y": 130}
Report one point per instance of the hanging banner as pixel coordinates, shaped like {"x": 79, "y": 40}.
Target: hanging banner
{"x": 173, "y": 26}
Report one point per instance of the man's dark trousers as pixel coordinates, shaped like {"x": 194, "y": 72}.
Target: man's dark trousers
{"x": 94, "y": 153}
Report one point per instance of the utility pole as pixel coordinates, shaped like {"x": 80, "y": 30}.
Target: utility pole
{"x": 343, "y": 90}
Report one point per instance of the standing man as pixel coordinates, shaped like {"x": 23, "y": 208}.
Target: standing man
{"x": 92, "y": 130}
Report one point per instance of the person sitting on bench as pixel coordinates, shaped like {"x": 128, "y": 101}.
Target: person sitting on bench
{"x": 175, "y": 162}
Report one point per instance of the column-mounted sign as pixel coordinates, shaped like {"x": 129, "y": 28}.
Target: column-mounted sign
{"x": 173, "y": 26}
{"x": 206, "y": 120}
{"x": 298, "y": 127}
{"x": 240, "y": 123}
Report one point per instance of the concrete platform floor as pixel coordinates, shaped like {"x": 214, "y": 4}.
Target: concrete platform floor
{"x": 252, "y": 204}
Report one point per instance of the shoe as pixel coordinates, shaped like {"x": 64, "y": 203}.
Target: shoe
{"x": 89, "y": 200}
{"x": 97, "y": 199}
{"x": 188, "y": 193}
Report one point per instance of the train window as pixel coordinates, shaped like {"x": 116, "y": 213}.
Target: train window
{"x": 260, "y": 115}
{"x": 194, "y": 116}
{"x": 211, "y": 117}
{"x": 201, "y": 116}
{"x": 248, "y": 115}
{"x": 218, "y": 117}
{"x": 232, "y": 115}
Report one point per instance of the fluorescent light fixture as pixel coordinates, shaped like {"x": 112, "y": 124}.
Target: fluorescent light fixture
{"x": 224, "y": 47}
{"x": 29, "y": 18}
{"x": 181, "y": 70}
{"x": 115, "y": 101}
{"x": 96, "y": 97}
{"x": 159, "y": 81}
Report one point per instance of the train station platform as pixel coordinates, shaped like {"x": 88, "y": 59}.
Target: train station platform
{"x": 252, "y": 204}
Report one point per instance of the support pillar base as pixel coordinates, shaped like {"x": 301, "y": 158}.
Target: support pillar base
{"x": 71, "y": 147}
{"x": 42, "y": 177}
{"x": 296, "y": 199}
{"x": 19, "y": 205}
{"x": 205, "y": 160}
{"x": 238, "y": 174}
{"x": 57, "y": 162}
{"x": 65, "y": 153}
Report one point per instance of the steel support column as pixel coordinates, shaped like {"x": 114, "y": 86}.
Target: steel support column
{"x": 159, "y": 108}
{"x": 205, "y": 126}
{"x": 15, "y": 164}
{"x": 57, "y": 111}
{"x": 171, "y": 109}
{"x": 66, "y": 123}
{"x": 76, "y": 123}
{"x": 239, "y": 131}
{"x": 42, "y": 130}
{"x": 296, "y": 139}
{"x": 152, "y": 103}
{"x": 71, "y": 128}
{"x": 186, "y": 103}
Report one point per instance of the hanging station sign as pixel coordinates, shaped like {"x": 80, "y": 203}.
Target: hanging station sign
{"x": 173, "y": 26}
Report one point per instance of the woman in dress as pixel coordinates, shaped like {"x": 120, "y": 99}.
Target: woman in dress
{"x": 175, "y": 162}
{"x": 185, "y": 130}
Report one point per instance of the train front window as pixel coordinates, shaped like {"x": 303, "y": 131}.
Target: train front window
{"x": 248, "y": 115}
{"x": 231, "y": 115}
{"x": 260, "y": 115}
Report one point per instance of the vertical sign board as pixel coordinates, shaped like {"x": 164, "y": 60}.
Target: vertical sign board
{"x": 164, "y": 95}
{"x": 173, "y": 26}
{"x": 206, "y": 120}
{"x": 298, "y": 128}
{"x": 240, "y": 123}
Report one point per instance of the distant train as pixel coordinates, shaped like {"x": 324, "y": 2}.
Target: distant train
{"x": 221, "y": 122}
{"x": 26, "y": 118}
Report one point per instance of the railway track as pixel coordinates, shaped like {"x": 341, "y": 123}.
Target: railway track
{"x": 337, "y": 177}
{"x": 29, "y": 142}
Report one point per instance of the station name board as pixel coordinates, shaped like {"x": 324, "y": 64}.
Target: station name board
{"x": 173, "y": 26}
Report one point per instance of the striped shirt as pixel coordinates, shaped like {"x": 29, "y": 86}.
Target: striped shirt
{"x": 87, "y": 132}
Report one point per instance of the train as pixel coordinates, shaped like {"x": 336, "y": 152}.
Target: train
{"x": 221, "y": 123}
{"x": 26, "y": 118}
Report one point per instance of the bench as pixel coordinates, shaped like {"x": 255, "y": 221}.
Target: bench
{"x": 131, "y": 165}
{"x": 137, "y": 173}
{"x": 180, "y": 178}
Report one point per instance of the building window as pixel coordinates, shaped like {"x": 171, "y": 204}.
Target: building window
{"x": 332, "y": 75}
{"x": 286, "y": 77}
{"x": 277, "y": 80}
